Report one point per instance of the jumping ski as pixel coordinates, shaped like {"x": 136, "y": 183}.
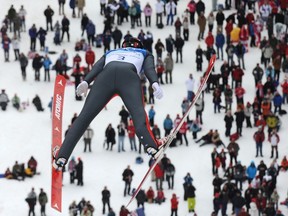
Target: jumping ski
{"x": 175, "y": 130}
{"x": 57, "y": 112}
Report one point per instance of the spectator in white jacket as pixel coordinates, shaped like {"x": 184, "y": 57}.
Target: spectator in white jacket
{"x": 159, "y": 8}
{"x": 88, "y": 135}
{"x": 170, "y": 11}
{"x": 16, "y": 47}
{"x": 265, "y": 10}
{"x": 190, "y": 85}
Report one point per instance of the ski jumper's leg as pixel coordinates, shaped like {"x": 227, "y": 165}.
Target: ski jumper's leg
{"x": 100, "y": 94}
{"x": 129, "y": 88}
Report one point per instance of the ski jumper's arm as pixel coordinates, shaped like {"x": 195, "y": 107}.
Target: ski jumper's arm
{"x": 149, "y": 68}
{"x": 96, "y": 69}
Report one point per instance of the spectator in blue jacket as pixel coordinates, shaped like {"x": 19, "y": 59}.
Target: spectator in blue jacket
{"x": 151, "y": 115}
{"x": 220, "y": 41}
{"x": 168, "y": 125}
{"x": 46, "y": 64}
{"x": 42, "y": 38}
{"x": 277, "y": 101}
{"x": 33, "y": 36}
{"x": 270, "y": 72}
{"x": 251, "y": 172}
{"x": 91, "y": 31}
{"x": 251, "y": 28}
{"x": 106, "y": 38}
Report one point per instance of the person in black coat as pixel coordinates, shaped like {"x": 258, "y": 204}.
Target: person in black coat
{"x": 199, "y": 58}
{"x": 65, "y": 28}
{"x": 179, "y": 43}
{"x": 110, "y": 136}
{"x": 79, "y": 172}
{"x": 127, "y": 178}
{"x": 84, "y": 22}
{"x": 37, "y": 64}
{"x": 37, "y": 102}
{"x": 105, "y": 198}
{"x": 117, "y": 37}
{"x": 42, "y": 38}
{"x": 48, "y": 12}
{"x": 200, "y": 7}
{"x": 238, "y": 202}
{"x": 77, "y": 74}
{"x": 209, "y": 53}
{"x": 228, "y": 123}
{"x": 240, "y": 117}
{"x": 220, "y": 17}
{"x": 214, "y": 155}
{"x": 217, "y": 203}
{"x": 270, "y": 210}
{"x": 148, "y": 41}
{"x": 170, "y": 44}
{"x": 207, "y": 137}
{"x": 269, "y": 85}
{"x": 224, "y": 196}
{"x": 141, "y": 198}
{"x": 159, "y": 47}
{"x": 170, "y": 172}
{"x": 217, "y": 182}
{"x": 124, "y": 116}
{"x": 261, "y": 168}
{"x": 239, "y": 174}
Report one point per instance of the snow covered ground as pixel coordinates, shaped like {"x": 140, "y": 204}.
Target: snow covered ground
{"x": 28, "y": 133}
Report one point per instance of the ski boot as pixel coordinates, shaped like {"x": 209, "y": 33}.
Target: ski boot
{"x": 157, "y": 152}
{"x": 59, "y": 163}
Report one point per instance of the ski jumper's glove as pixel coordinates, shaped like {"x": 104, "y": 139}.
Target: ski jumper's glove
{"x": 59, "y": 163}
{"x": 158, "y": 92}
{"x": 82, "y": 88}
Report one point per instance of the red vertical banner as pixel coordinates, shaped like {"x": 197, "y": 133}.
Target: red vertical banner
{"x": 57, "y": 113}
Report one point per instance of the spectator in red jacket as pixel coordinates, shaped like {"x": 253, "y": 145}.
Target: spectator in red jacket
{"x": 239, "y": 93}
{"x": 284, "y": 86}
{"x": 259, "y": 138}
{"x": 160, "y": 197}
{"x": 131, "y": 135}
{"x": 209, "y": 40}
{"x": 90, "y": 58}
{"x": 150, "y": 194}
{"x": 283, "y": 5}
{"x": 284, "y": 164}
{"x": 174, "y": 204}
{"x": 261, "y": 202}
{"x": 261, "y": 122}
{"x": 32, "y": 164}
{"x": 237, "y": 75}
{"x": 228, "y": 29}
{"x": 124, "y": 211}
{"x": 182, "y": 132}
{"x": 159, "y": 175}
{"x": 250, "y": 17}
{"x": 76, "y": 61}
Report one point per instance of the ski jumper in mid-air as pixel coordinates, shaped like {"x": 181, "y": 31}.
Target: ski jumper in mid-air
{"x": 117, "y": 72}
